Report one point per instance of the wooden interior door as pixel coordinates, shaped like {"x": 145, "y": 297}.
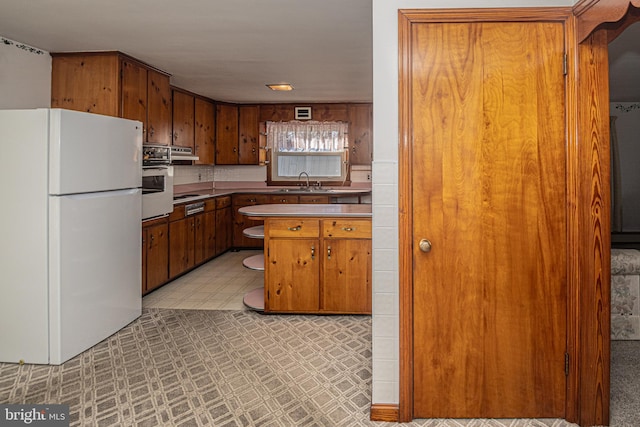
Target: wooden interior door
{"x": 488, "y": 175}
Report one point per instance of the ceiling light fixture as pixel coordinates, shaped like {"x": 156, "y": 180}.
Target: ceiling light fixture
{"x": 280, "y": 86}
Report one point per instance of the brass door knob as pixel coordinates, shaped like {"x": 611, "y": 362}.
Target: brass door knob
{"x": 425, "y": 245}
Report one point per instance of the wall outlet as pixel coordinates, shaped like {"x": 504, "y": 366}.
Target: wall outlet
{"x": 368, "y": 177}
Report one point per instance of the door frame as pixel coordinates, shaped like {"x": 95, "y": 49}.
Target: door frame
{"x": 407, "y": 17}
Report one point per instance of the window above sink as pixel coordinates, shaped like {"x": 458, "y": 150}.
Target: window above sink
{"x": 307, "y": 152}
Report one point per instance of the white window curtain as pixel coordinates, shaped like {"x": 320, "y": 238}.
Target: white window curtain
{"x": 307, "y": 136}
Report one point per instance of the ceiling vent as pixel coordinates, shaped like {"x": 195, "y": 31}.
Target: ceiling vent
{"x": 303, "y": 113}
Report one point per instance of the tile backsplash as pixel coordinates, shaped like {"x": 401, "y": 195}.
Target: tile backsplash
{"x": 192, "y": 174}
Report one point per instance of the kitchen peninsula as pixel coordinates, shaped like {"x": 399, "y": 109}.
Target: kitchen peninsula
{"x": 317, "y": 257}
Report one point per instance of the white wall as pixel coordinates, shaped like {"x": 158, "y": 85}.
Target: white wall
{"x": 628, "y": 130}
{"x": 25, "y": 76}
{"x": 385, "y": 387}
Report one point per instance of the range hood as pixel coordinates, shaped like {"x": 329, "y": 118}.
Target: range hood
{"x": 182, "y": 153}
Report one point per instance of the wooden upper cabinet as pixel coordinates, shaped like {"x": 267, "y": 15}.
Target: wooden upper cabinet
{"x": 226, "y": 134}
{"x": 183, "y": 119}
{"x": 114, "y": 84}
{"x": 360, "y": 132}
{"x": 86, "y": 82}
{"x": 134, "y": 92}
{"x": 248, "y": 150}
{"x": 159, "y": 108}
{"x": 205, "y": 131}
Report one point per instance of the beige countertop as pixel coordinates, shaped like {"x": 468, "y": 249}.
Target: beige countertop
{"x": 191, "y": 196}
{"x": 335, "y": 210}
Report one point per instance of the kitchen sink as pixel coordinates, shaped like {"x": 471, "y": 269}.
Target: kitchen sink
{"x": 304, "y": 190}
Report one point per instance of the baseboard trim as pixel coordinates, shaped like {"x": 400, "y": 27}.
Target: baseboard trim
{"x": 385, "y": 412}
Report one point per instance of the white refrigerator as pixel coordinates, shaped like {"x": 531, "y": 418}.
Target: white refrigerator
{"x": 70, "y": 239}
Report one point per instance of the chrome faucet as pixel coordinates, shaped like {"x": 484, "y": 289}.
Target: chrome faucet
{"x": 300, "y": 176}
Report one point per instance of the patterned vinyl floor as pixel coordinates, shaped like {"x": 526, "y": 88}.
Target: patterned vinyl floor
{"x": 220, "y": 368}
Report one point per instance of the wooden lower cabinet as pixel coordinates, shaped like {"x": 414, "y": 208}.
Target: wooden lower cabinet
{"x": 192, "y": 239}
{"x": 347, "y": 276}
{"x": 293, "y": 279}
{"x": 224, "y": 224}
{"x": 182, "y": 245}
{"x": 241, "y": 222}
{"x": 317, "y": 265}
{"x": 155, "y": 255}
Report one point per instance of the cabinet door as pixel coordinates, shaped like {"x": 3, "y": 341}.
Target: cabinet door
{"x": 292, "y": 276}
{"x": 284, "y": 199}
{"x": 198, "y": 239}
{"x": 87, "y": 82}
{"x": 360, "y": 132}
{"x": 226, "y": 134}
{"x": 205, "y": 131}
{"x": 158, "y": 108}
{"x": 224, "y": 224}
{"x": 313, "y": 199}
{"x": 241, "y": 222}
{"x": 248, "y": 153}
{"x": 347, "y": 276}
{"x": 183, "y": 119}
{"x": 209, "y": 232}
{"x": 181, "y": 242}
{"x": 156, "y": 254}
{"x": 134, "y": 92}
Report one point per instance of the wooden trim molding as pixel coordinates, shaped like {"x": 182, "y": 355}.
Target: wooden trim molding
{"x": 593, "y": 204}
{"x": 573, "y": 221}
{"x": 384, "y": 412}
{"x": 592, "y": 14}
{"x": 405, "y": 226}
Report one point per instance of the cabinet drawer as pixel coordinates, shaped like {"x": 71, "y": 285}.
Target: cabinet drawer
{"x": 347, "y": 228}
{"x": 250, "y": 199}
{"x": 210, "y": 205}
{"x": 292, "y": 228}
{"x": 223, "y": 202}
{"x": 313, "y": 199}
{"x": 283, "y": 199}
{"x": 177, "y": 213}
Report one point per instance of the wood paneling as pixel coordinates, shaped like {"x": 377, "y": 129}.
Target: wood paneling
{"x": 320, "y": 112}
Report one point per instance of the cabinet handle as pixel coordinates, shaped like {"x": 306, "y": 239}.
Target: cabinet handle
{"x": 313, "y": 252}
{"x": 252, "y": 200}
{"x": 151, "y": 131}
{"x": 328, "y": 252}
{"x": 235, "y": 150}
{"x": 296, "y": 228}
{"x": 347, "y": 229}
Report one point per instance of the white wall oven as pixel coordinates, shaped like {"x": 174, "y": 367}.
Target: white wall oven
{"x": 157, "y": 181}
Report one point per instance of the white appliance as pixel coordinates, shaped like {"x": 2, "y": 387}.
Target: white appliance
{"x": 157, "y": 191}
{"x": 70, "y": 243}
